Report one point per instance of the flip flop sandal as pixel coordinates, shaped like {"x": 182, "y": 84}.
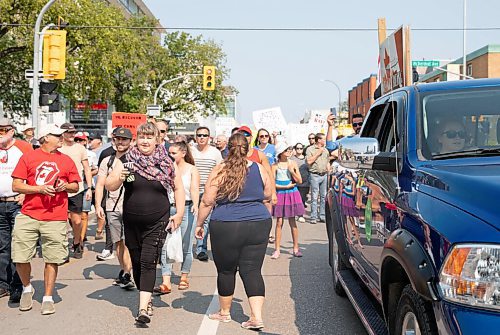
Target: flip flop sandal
{"x": 271, "y": 239}
{"x": 183, "y": 285}
{"x": 162, "y": 289}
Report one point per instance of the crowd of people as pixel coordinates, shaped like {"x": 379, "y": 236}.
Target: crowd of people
{"x": 143, "y": 188}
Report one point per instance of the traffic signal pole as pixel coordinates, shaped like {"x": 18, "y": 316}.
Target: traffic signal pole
{"x": 171, "y": 80}
{"x": 35, "y": 115}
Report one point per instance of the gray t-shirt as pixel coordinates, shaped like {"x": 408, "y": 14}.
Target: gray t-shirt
{"x": 112, "y": 196}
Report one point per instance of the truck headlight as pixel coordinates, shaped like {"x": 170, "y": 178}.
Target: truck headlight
{"x": 471, "y": 275}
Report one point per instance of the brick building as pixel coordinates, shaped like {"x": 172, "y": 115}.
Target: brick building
{"x": 482, "y": 63}
{"x": 360, "y": 97}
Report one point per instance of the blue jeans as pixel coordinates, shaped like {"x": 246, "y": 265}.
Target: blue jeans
{"x": 9, "y": 278}
{"x": 187, "y": 232}
{"x": 318, "y": 185}
{"x": 201, "y": 245}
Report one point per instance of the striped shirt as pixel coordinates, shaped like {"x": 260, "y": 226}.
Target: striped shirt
{"x": 205, "y": 161}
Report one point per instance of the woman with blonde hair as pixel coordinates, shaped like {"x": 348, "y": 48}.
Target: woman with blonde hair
{"x": 147, "y": 174}
{"x": 240, "y": 192}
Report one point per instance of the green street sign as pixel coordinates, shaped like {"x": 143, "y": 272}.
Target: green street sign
{"x": 426, "y": 63}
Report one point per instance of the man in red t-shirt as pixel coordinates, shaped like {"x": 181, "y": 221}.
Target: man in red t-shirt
{"x": 45, "y": 176}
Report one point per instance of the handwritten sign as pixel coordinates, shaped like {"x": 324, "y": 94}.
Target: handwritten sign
{"x": 317, "y": 122}
{"x": 270, "y": 119}
{"x": 127, "y": 120}
{"x": 395, "y": 71}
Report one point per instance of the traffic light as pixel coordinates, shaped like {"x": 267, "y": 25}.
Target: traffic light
{"x": 49, "y": 96}
{"x": 209, "y": 78}
{"x": 54, "y": 54}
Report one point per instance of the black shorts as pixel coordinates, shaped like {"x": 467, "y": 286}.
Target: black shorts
{"x": 75, "y": 203}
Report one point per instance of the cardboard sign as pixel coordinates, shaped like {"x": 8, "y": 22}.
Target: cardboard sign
{"x": 395, "y": 62}
{"x": 270, "y": 119}
{"x": 224, "y": 125}
{"x": 317, "y": 121}
{"x": 127, "y": 120}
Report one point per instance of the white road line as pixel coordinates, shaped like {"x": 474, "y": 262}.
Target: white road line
{"x": 209, "y": 327}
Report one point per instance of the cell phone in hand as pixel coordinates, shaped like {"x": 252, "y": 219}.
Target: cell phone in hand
{"x": 333, "y": 111}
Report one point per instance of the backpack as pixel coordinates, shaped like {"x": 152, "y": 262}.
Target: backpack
{"x": 106, "y": 192}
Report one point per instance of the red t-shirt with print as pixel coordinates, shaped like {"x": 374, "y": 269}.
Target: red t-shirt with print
{"x": 42, "y": 168}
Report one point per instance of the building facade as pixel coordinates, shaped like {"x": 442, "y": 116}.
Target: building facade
{"x": 361, "y": 96}
{"x": 482, "y": 63}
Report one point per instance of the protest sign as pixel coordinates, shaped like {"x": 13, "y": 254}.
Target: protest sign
{"x": 317, "y": 121}
{"x": 127, "y": 120}
{"x": 394, "y": 60}
{"x": 270, "y": 119}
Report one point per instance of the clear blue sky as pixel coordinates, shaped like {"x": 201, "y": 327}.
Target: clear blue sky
{"x": 284, "y": 68}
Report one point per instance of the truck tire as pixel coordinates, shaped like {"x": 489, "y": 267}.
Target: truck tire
{"x": 337, "y": 265}
{"x": 414, "y": 315}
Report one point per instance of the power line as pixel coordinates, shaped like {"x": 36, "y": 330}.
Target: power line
{"x": 255, "y": 29}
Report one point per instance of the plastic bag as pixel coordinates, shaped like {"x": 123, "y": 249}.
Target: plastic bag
{"x": 174, "y": 247}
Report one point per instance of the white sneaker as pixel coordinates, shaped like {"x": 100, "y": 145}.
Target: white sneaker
{"x": 105, "y": 255}
{"x": 301, "y": 219}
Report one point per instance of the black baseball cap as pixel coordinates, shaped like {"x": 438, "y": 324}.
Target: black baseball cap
{"x": 95, "y": 136}
{"x": 122, "y": 132}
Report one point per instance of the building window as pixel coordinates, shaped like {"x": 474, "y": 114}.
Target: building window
{"x": 469, "y": 70}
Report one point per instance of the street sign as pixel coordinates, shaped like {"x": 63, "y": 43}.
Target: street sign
{"x": 28, "y": 74}
{"x": 425, "y": 63}
{"x": 153, "y": 110}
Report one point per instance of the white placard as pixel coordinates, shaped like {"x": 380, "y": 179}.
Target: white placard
{"x": 270, "y": 119}
{"x": 317, "y": 122}
{"x": 224, "y": 125}
{"x": 297, "y": 133}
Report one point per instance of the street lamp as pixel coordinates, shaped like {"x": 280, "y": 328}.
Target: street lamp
{"x": 338, "y": 88}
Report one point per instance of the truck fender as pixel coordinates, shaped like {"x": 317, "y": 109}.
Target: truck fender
{"x": 402, "y": 247}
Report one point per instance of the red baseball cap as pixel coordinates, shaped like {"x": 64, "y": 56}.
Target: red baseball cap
{"x": 245, "y": 129}
{"x": 80, "y": 135}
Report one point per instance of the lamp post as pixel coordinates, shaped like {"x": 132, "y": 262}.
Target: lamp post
{"x": 338, "y": 88}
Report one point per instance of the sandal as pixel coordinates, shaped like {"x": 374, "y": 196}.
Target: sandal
{"x": 252, "y": 325}
{"x": 183, "y": 285}
{"x": 297, "y": 253}
{"x": 162, "y": 289}
{"x": 220, "y": 317}
{"x": 271, "y": 239}
{"x": 275, "y": 255}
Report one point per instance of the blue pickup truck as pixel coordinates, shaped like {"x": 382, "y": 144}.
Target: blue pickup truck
{"x": 413, "y": 211}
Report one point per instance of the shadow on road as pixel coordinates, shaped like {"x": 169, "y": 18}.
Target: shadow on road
{"x": 318, "y": 310}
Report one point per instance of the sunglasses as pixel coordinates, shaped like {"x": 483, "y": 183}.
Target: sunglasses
{"x": 5, "y": 130}
{"x": 263, "y": 136}
{"x": 163, "y": 131}
{"x": 453, "y": 134}
{"x": 246, "y": 134}
{"x": 299, "y": 148}
{"x": 202, "y": 135}
{"x": 312, "y": 138}
{"x": 357, "y": 124}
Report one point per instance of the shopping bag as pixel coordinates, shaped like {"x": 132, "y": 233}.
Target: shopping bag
{"x": 174, "y": 246}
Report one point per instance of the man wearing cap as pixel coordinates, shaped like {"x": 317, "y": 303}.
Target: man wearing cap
{"x": 11, "y": 151}
{"x": 162, "y": 126}
{"x": 206, "y": 157}
{"x": 29, "y": 136}
{"x": 81, "y": 138}
{"x": 45, "y": 176}
{"x": 109, "y": 205}
{"x": 95, "y": 142}
{"x": 75, "y": 202}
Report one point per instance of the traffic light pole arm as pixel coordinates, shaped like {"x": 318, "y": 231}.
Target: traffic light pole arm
{"x": 171, "y": 80}
{"x": 36, "y": 67}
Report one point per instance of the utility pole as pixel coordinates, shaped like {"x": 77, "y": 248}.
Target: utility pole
{"x": 35, "y": 115}
{"x": 340, "y": 95}
{"x": 464, "y": 57}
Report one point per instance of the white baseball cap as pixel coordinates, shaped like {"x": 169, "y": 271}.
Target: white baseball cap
{"x": 50, "y": 129}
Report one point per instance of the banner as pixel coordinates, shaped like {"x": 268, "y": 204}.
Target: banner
{"x": 270, "y": 119}
{"x": 395, "y": 62}
{"x": 127, "y": 120}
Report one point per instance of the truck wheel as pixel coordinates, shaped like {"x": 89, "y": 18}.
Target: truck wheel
{"x": 414, "y": 315}
{"x": 337, "y": 265}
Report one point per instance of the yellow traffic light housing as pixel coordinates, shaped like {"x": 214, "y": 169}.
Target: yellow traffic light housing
{"x": 209, "y": 78}
{"x": 54, "y": 54}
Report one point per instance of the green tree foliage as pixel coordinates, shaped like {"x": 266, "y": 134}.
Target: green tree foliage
{"x": 124, "y": 66}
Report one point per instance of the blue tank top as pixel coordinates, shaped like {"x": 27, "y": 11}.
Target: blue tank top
{"x": 249, "y": 205}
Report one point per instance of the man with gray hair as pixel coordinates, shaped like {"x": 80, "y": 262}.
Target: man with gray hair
{"x": 221, "y": 145}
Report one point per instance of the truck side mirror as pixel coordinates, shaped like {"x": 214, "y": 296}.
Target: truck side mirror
{"x": 363, "y": 153}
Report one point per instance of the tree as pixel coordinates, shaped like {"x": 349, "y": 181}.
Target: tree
{"x": 121, "y": 65}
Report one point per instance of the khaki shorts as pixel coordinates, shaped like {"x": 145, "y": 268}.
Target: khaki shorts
{"x": 52, "y": 237}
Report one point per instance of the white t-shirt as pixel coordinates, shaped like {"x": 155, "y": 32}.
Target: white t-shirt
{"x": 8, "y": 161}
{"x": 205, "y": 161}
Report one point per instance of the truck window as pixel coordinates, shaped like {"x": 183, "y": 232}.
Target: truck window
{"x": 459, "y": 122}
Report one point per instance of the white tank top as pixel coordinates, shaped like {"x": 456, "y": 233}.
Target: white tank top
{"x": 186, "y": 181}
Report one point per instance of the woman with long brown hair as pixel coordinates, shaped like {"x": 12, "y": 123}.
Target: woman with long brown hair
{"x": 181, "y": 152}
{"x": 240, "y": 190}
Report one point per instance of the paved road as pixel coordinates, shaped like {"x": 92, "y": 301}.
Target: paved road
{"x": 300, "y": 298}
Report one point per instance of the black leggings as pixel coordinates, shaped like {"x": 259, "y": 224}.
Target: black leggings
{"x": 304, "y": 191}
{"x": 144, "y": 240}
{"x": 240, "y": 246}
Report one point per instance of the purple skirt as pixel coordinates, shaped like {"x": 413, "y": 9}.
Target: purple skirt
{"x": 289, "y": 204}
{"x": 348, "y": 206}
